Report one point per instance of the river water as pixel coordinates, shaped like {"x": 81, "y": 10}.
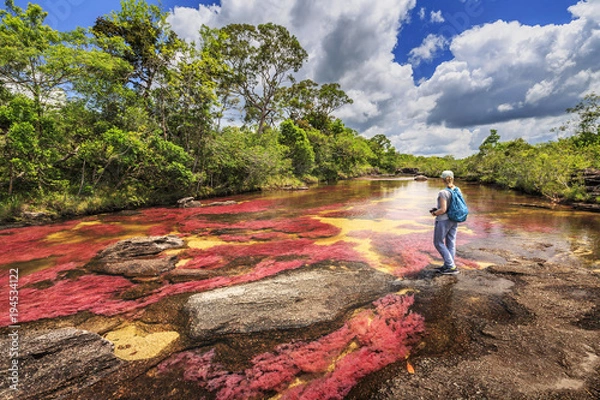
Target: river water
{"x": 383, "y": 223}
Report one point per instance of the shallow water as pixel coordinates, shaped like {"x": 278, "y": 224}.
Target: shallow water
{"x": 383, "y": 223}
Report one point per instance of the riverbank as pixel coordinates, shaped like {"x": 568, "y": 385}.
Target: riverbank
{"x": 309, "y": 267}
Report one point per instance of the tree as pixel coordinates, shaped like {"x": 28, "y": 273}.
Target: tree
{"x": 188, "y": 100}
{"x": 19, "y": 145}
{"x": 385, "y": 155}
{"x": 40, "y": 63}
{"x": 37, "y": 60}
{"x": 588, "y": 124}
{"x": 305, "y": 100}
{"x": 260, "y": 59}
{"x": 490, "y": 142}
{"x": 140, "y": 35}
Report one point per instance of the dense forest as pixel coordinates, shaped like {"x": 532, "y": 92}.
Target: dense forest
{"x": 125, "y": 114}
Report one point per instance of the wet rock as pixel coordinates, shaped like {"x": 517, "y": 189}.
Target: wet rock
{"x": 292, "y": 188}
{"x": 587, "y": 207}
{"x": 420, "y": 178}
{"x": 135, "y": 257}
{"x": 188, "y": 202}
{"x": 295, "y": 299}
{"x": 136, "y": 268}
{"x": 57, "y": 363}
{"x": 221, "y": 203}
{"x": 186, "y": 275}
{"x": 140, "y": 247}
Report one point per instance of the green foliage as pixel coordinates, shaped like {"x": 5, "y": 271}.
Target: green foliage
{"x": 306, "y": 101}
{"x": 240, "y": 160}
{"x": 429, "y": 166}
{"x": 300, "y": 151}
{"x": 587, "y": 131}
{"x": 385, "y": 157}
{"x": 546, "y": 169}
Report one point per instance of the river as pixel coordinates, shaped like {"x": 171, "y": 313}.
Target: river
{"x": 382, "y": 223}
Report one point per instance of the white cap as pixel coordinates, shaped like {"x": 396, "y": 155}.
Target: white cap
{"x": 447, "y": 174}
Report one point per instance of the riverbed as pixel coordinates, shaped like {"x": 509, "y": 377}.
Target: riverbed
{"x": 239, "y": 241}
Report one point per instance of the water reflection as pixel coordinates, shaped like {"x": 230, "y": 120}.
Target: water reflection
{"x": 393, "y": 206}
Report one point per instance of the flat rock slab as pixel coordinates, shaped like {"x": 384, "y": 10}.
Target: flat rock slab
{"x": 56, "y": 363}
{"x": 295, "y": 299}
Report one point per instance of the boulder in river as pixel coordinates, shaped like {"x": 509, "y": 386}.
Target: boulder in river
{"x": 151, "y": 267}
{"x": 140, "y": 247}
{"x": 295, "y": 299}
{"x": 136, "y": 257}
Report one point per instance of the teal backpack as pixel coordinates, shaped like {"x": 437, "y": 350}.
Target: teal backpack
{"x": 457, "y": 210}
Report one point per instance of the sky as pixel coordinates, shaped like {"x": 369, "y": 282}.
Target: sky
{"x": 434, "y": 76}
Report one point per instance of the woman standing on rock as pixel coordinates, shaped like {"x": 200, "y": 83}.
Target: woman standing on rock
{"x": 444, "y": 235}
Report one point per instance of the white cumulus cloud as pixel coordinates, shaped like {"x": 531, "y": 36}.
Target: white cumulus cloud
{"x": 431, "y": 46}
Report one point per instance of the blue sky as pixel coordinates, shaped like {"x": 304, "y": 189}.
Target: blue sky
{"x": 433, "y": 75}
{"x": 451, "y": 18}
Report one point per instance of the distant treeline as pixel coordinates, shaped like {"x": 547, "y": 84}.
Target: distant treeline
{"x": 552, "y": 169}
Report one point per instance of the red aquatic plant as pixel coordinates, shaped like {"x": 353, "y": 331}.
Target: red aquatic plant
{"x": 25, "y": 244}
{"x": 95, "y": 293}
{"x": 381, "y": 336}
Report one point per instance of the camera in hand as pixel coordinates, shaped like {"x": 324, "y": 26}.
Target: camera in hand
{"x": 433, "y": 210}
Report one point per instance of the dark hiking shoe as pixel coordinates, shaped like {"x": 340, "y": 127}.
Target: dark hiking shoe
{"x": 449, "y": 271}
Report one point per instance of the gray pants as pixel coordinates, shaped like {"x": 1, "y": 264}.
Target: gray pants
{"x": 444, "y": 240}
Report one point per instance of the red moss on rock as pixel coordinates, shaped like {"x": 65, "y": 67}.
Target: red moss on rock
{"x": 383, "y": 336}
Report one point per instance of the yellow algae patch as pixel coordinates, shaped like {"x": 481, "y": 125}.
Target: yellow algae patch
{"x": 379, "y": 225}
{"x": 131, "y": 230}
{"x": 29, "y": 267}
{"x": 131, "y": 343}
{"x": 206, "y": 243}
{"x": 87, "y": 223}
{"x": 71, "y": 235}
{"x": 484, "y": 265}
{"x": 182, "y": 262}
{"x": 406, "y": 291}
{"x": 173, "y": 252}
{"x": 363, "y": 246}
{"x": 465, "y": 230}
{"x": 75, "y": 235}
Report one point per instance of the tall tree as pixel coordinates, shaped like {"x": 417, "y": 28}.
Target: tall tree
{"x": 37, "y": 60}
{"x": 42, "y": 64}
{"x": 260, "y": 59}
{"x": 188, "y": 100}
{"x": 140, "y": 35}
